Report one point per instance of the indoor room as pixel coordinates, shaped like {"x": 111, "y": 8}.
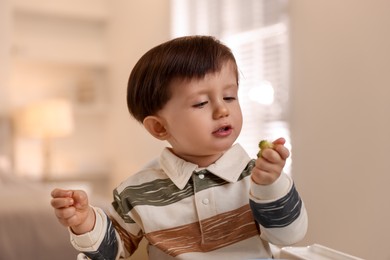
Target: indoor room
{"x": 313, "y": 72}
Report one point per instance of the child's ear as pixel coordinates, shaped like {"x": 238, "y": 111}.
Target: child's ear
{"x": 156, "y": 127}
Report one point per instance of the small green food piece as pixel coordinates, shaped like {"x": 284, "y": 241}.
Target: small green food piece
{"x": 264, "y": 144}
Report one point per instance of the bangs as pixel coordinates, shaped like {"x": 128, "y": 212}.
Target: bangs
{"x": 200, "y": 56}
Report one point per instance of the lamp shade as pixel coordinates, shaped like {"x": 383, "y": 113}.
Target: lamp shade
{"x": 46, "y": 119}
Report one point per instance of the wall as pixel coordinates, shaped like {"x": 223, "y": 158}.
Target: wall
{"x": 340, "y": 122}
{"x": 136, "y": 26}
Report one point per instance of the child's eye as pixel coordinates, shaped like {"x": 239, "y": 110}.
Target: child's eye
{"x": 200, "y": 105}
{"x": 229, "y": 98}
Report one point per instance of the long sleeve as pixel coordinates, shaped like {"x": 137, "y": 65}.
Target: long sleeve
{"x": 279, "y": 211}
{"x": 103, "y": 242}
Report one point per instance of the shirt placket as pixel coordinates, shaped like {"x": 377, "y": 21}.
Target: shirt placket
{"x": 204, "y": 200}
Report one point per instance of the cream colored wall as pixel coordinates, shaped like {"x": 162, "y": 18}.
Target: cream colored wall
{"x": 136, "y": 27}
{"x": 341, "y": 122}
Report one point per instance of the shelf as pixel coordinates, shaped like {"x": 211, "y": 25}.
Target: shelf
{"x": 93, "y": 10}
{"x": 60, "y": 40}
{"x": 22, "y": 53}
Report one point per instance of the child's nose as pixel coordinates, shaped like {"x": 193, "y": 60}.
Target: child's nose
{"x": 220, "y": 110}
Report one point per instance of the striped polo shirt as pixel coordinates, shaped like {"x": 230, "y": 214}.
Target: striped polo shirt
{"x": 187, "y": 212}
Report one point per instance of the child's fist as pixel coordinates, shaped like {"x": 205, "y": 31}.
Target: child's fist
{"x": 270, "y": 162}
{"x": 72, "y": 209}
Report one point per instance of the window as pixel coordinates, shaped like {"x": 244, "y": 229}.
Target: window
{"x": 257, "y": 32}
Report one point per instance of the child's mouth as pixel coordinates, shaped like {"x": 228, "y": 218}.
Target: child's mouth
{"x": 223, "y": 131}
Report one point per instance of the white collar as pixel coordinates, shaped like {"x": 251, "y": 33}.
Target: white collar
{"x": 229, "y": 167}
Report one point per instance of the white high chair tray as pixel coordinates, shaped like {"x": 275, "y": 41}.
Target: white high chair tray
{"x": 315, "y": 251}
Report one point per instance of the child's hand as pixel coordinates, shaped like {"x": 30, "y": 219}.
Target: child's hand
{"x": 269, "y": 165}
{"x": 72, "y": 210}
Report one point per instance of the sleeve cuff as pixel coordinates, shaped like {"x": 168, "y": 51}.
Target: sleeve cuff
{"x": 91, "y": 241}
{"x": 274, "y": 191}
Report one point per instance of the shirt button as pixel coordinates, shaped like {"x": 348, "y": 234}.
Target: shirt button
{"x": 201, "y": 176}
{"x": 205, "y": 201}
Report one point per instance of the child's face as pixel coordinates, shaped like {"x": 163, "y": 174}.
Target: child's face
{"x": 203, "y": 117}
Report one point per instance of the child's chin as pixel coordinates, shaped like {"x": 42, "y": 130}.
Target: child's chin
{"x": 224, "y": 147}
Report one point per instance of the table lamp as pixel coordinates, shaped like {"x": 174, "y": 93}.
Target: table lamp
{"x": 45, "y": 120}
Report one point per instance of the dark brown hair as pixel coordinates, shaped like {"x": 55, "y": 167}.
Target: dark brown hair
{"x": 190, "y": 57}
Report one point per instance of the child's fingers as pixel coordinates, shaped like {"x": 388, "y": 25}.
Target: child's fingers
{"x": 280, "y": 140}
{"x": 283, "y": 152}
{"x": 65, "y": 213}
{"x": 60, "y": 193}
{"x": 61, "y": 198}
{"x": 266, "y": 166}
{"x": 65, "y": 198}
{"x": 59, "y": 203}
{"x": 278, "y": 146}
{"x": 265, "y": 173}
{"x": 80, "y": 199}
{"x": 270, "y": 155}
{"x": 276, "y": 155}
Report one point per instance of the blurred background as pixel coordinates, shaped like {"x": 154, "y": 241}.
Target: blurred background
{"x": 315, "y": 72}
